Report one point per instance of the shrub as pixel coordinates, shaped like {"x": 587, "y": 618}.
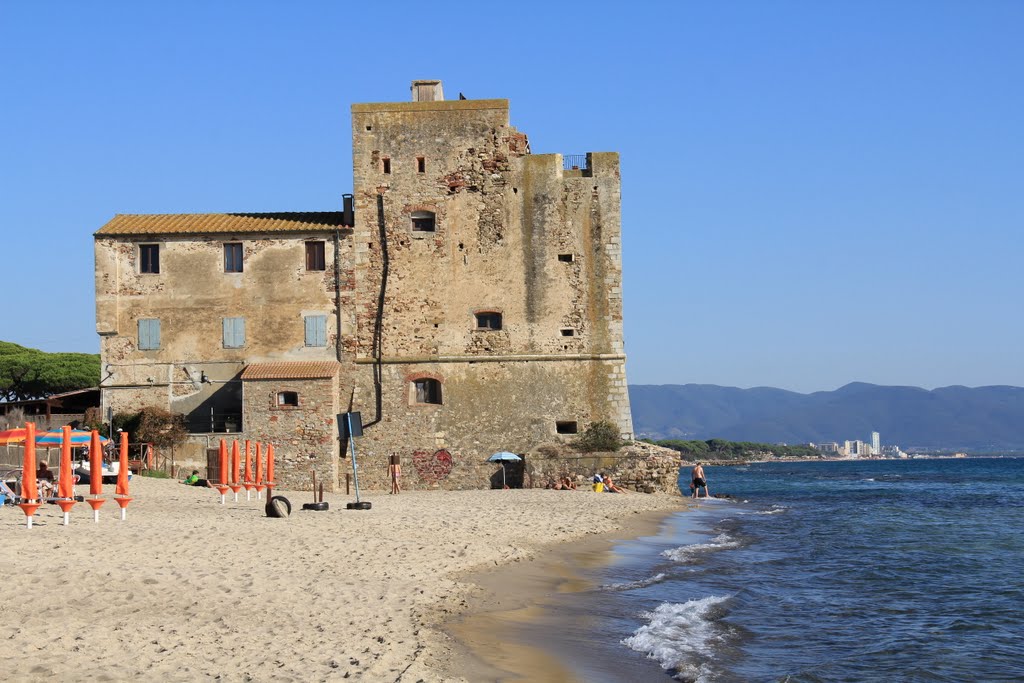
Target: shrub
{"x": 599, "y": 436}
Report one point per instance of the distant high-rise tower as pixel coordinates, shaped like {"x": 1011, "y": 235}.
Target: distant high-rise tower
{"x": 876, "y": 444}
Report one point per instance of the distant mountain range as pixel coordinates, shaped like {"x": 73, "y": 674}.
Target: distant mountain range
{"x": 989, "y": 419}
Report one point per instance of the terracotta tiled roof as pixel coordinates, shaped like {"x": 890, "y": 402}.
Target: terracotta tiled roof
{"x": 220, "y": 223}
{"x": 293, "y": 370}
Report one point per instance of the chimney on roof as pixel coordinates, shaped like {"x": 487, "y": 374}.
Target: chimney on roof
{"x": 427, "y": 91}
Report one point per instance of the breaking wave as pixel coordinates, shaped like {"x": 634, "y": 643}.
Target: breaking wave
{"x": 682, "y": 637}
{"x": 688, "y": 553}
{"x": 630, "y": 585}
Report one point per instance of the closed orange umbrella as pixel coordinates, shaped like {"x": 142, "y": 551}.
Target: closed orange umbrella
{"x": 222, "y": 487}
{"x": 248, "y": 470}
{"x": 28, "y": 475}
{"x": 235, "y": 486}
{"x": 259, "y": 472}
{"x": 270, "y": 466}
{"x": 122, "y": 470}
{"x": 29, "y": 490}
{"x": 65, "y": 478}
{"x": 95, "y": 464}
{"x": 95, "y": 475}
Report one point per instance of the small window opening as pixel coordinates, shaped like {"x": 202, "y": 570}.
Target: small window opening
{"x": 566, "y": 427}
{"x": 568, "y": 332}
{"x": 423, "y": 221}
{"x": 369, "y": 128}
{"x": 233, "y": 257}
{"x": 428, "y": 391}
{"x": 387, "y": 164}
{"x": 315, "y": 259}
{"x": 566, "y": 258}
{"x": 149, "y": 258}
{"x": 421, "y": 165}
{"x": 488, "y": 320}
{"x": 287, "y": 398}
{"x": 515, "y": 190}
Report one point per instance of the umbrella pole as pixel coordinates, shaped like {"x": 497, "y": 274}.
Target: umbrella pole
{"x": 503, "y": 483}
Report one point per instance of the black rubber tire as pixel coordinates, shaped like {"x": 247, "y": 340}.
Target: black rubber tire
{"x": 278, "y": 506}
{"x": 363, "y": 505}
{"x": 316, "y": 507}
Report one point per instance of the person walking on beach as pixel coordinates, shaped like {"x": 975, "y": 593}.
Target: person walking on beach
{"x": 699, "y": 480}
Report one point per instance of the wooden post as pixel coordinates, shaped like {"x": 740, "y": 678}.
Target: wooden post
{"x": 348, "y": 480}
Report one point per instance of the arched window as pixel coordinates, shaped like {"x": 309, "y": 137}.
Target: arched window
{"x": 423, "y": 221}
{"x": 427, "y": 390}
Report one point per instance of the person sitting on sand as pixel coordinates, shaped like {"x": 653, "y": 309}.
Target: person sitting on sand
{"x": 194, "y": 480}
{"x": 44, "y": 479}
{"x": 610, "y": 486}
{"x": 568, "y": 484}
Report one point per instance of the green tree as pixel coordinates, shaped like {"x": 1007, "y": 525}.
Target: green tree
{"x": 30, "y": 373}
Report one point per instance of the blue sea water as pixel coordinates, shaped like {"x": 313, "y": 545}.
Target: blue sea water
{"x": 879, "y": 570}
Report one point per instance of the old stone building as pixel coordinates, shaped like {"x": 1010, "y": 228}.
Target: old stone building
{"x": 470, "y": 303}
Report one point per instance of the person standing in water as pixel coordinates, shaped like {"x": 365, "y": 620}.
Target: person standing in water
{"x": 699, "y": 480}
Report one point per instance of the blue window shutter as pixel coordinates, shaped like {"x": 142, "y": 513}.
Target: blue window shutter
{"x": 149, "y": 333}
{"x": 316, "y": 330}
{"x": 234, "y": 333}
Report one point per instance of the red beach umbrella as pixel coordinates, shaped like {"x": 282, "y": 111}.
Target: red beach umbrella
{"x": 122, "y": 470}
{"x": 9, "y": 436}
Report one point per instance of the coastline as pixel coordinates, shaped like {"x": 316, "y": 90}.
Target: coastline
{"x": 512, "y": 597}
{"x": 192, "y": 588}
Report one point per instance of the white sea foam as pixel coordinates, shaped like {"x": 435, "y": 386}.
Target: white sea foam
{"x": 681, "y": 637}
{"x": 687, "y": 553}
{"x": 630, "y": 585}
{"x": 775, "y": 509}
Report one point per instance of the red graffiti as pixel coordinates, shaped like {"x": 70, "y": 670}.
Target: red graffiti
{"x": 432, "y": 467}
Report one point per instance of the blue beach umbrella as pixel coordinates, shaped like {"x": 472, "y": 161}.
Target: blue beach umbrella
{"x": 78, "y": 438}
{"x": 503, "y": 457}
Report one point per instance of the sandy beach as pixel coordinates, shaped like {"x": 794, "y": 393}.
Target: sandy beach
{"x": 187, "y": 589}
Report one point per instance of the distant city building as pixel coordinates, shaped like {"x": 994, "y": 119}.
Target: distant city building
{"x": 831, "y": 447}
{"x": 876, "y": 444}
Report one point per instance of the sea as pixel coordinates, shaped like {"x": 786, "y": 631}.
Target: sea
{"x": 874, "y": 570}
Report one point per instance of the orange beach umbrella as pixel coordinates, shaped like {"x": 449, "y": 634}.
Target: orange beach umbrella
{"x": 95, "y": 464}
{"x": 270, "y": 463}
{"x": 28, "y": 474}
{"x": 9, "y": 436}
{"x": 234, "y": 462}
{"x": 248, "y": 461}
{"x": 122, "y": 470}
{"x": 223, "y": 462}
{"x": 65, "y": 480}
{"x": 259, "y": 466}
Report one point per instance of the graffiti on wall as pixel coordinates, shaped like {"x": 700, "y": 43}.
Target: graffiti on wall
{"x": 432, "y": 467}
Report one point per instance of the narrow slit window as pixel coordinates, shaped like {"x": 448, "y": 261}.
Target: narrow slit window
{"x": 424, "y": 221}
{"x": 566, "y": 427}
{"x": 427, "y": 391}
{"x": 233, "y": 257}
{"x": 386, "y": 165}
{"x": 149, "y": 258}
{"x": 315, "y": 259}
{"x": 566, "y": 258}
{"x": 421, "y": 164}
{"x": 488, "y": 320}
{"x": 568, "y": 332}
{"x": 288, "y": 398}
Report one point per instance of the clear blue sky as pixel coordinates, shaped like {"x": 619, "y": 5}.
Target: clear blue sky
{"x": 813, "y": 192}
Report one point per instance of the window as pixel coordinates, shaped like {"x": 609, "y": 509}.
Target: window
{"x": 566, "y": 427}
{"x": 568, "y": 332}
{"x": 287, "y": 398}
{"x": 149, "y": 258}
{"x": 428, "y": 391}
{"x": 386, "y": 164}
{"x": 566, "y": 258}
{"x": 315, "y": 256}
{"x": 421, "y": 165}
{"x": 234, "y": 333}
{"x": 316, "y": 330}
{"x": 233, "y": 257}
{"x": 149, "y": 334}
{"x": 423, "y": 221}
{"x": 488, "y": 320}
